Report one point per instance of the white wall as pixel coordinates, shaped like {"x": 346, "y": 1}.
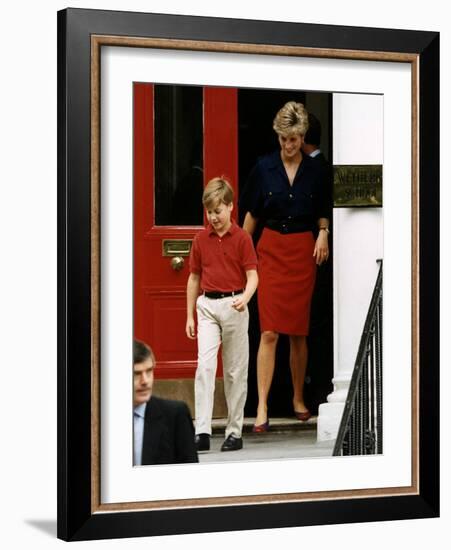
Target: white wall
{"x": 28, "y": 274}
{"x": 358, "y": 243}
{"x": 358, "y": 232}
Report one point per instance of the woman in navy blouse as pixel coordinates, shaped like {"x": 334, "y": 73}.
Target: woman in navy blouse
{"x": 287, "y": 193}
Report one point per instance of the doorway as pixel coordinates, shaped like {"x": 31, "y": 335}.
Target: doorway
{"x": 256, "y": 111}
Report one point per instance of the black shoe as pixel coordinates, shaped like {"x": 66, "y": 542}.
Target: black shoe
{"x": 232, "y": 443}
{"x": 202, "y": 442}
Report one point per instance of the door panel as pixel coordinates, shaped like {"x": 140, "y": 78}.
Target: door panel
{"x": 159, "y": 288}
{"x": 221, "y": 135}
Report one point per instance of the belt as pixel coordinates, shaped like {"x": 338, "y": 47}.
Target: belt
{"x": 215, "y": 295}
{"x": 289, "y": 226}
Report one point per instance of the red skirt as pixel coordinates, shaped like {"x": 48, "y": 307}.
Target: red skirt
{"x": 287, "y": 272}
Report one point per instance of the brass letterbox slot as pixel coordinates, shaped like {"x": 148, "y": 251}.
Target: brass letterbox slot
{"x": 177, "y": 247}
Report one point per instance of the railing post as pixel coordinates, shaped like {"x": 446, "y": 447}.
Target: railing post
{"x": 379, "y": 384}
{"x": 363, "y": 415}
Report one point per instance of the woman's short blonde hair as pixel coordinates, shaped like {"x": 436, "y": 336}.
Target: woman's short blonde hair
{"x": 216, "y": 191}
{"x": 291, "y": 119}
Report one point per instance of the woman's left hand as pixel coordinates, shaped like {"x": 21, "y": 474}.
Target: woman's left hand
{"x": 321, "y": 250}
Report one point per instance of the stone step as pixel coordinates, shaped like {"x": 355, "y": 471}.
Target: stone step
{"x": 276, "y": 425}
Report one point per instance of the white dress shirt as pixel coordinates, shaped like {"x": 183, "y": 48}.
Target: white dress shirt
{"x": 138, "y": 433}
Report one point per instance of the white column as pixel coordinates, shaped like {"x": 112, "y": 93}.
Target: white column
{"x": 358, "y": 243}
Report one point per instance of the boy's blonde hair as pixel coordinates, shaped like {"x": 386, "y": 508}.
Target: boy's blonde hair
{"x": 216, "y": 191}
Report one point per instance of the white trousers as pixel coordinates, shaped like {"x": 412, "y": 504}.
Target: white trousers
{"x": 218, "y": 322}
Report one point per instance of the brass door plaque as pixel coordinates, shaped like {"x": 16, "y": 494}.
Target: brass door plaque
{"x": 177, "y": 247}
{"x": 358, "y": 185}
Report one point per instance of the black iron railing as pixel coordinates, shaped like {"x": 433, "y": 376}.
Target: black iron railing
{"x": 360, "y": 431}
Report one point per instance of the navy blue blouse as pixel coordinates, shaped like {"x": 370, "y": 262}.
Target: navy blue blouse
{"x": 268, "y": 194}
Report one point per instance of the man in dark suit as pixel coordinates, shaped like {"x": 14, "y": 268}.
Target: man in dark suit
{"x": 312, "y": 140}
{"x": 163, "y": 429}
{"x": 320, "y": 364}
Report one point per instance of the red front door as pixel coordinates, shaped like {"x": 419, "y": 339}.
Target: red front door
{"x": 183, "y": 137}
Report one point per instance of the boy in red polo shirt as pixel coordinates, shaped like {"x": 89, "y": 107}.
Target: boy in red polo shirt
{"x": 223, "y": 266}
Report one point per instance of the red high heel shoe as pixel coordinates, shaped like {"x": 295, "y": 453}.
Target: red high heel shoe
{"x": 261, "y": 428}
{"x": 302, "y": 416}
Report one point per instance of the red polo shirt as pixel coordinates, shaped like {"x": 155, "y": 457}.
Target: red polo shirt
{"x": 222, "y": 262}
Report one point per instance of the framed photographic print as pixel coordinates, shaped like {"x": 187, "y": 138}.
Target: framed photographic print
{"x": 150, "y": 109}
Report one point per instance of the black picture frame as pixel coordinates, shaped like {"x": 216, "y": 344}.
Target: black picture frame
{"x": 78, "y": 518}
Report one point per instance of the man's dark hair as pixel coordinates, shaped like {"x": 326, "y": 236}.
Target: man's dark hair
{"x": 313, "y": 134}
{"x": 141, "y": 352}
